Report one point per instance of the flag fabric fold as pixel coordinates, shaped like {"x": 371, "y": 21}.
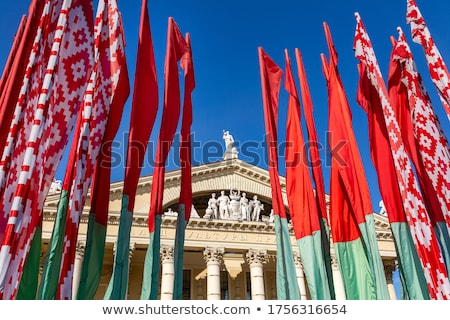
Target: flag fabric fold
{"x": 412, "y": 199}
{"x": 176, "y": 48}
{"x": 271, "y": 75}
{"x": 300, "y": 194}
{"x": 185, "y": 203}
{"x": 439, "y": 73}
{"x": 143, "y": 115}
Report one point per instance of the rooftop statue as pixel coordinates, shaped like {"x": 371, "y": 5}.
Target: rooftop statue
{"x": 230, "y": 149}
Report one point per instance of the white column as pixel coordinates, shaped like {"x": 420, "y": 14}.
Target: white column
{"x": 390, "y": 267}
{"x": 167, "y": 272}
{"x": 130, "y": 256}
{"x": 300, "y": 276}
{"x": 77, "y": 266}
{"x": 339, "y": 289}
{"x": 256, "y": 259}
{"x": 213, "y": 258}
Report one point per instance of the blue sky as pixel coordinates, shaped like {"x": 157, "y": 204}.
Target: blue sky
{"x": 225, "y": 36}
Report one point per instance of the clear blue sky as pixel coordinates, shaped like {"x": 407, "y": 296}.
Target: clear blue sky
{"x": 225, "y": 36}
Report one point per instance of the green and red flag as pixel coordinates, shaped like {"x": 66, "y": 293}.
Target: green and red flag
{"x": 185, "y": 203}
{"x": 437, "y": 68}
{"x": 415, "y": 210}
{"x": 316, "y": 168}
{"x": 176, "y": 48}
{"x": 347, "y": 203}
{"x": 300, "y": 194}
{"x": 143, "y": 115}
{"x": 271, "y": 75}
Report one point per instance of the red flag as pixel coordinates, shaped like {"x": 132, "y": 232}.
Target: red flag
{"x": 185, "y": 138}
{"x": 302, "y": 204}
{"x": 176, "y": 47}
{"x": 144, "y": 107}
{"x": 271, "y": 76}
{"x": 312, "y": 141}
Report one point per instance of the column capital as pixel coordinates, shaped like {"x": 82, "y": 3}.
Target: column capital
{"x": 166, "y": 253}
{"x": 256, "y": 256}
{"x": 81, "y": 246}
{"x": 389, "y": 267}
{"x": 334, "y": 262}
{"x": 298, "y": 260}
{"x": 213, "y": 255}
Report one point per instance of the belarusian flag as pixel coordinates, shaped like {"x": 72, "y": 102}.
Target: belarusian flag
{"x": 271, "y": 74}
{"x": 436, "y": 65}
{"x": 316, "y": 169}
{"x": 143, "y": 114}
{"x": 185, "y": 203}
{"x": 412, "y": 200}
{"x": 176, "y": 48}
{"x": 302, "y": 203}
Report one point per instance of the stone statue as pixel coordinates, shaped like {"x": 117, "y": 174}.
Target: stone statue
{"x": 230, "y": 150}
{"x": 171, "y": 213}
{"x": 256, "y": 208}
{"x": 55, "y": 187}
{"x": 212, "y": 210}
{"x": 382, "y": 208}
{"x": 224, "y": 201}
{"x": 235, "y": 205}
{"x": 245, "y": 209}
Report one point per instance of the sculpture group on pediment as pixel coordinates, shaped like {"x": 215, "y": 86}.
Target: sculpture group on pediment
{"x": 234, "y": 206}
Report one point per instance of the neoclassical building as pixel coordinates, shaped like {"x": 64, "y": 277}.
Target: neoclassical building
{"x": 225, "y": 257}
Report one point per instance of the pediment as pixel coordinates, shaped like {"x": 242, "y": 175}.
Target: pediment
{"x": 207, "y": 178}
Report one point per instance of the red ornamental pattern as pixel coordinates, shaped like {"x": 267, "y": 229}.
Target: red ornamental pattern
{"x": 110, "y": 53}
{"x": 67, "y": 71}
{"x": 436, "y": 65}
{"x": 433, "y": 145}
{"x": 418, "y": 219}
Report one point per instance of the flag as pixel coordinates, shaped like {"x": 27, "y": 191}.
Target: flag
{"x": 176, "y": 47}
{"x": 412, "y": 279}
{"x": 185, "y": 203}
{"x": 436, "y": 65}
{"x": 63, "y": 86}
{"x": 424, "y": 139}
{"x": 316, "y": 169}
{"x": 300, "y": 194}
{"x": 349, "y": 200}
{"x": 143, "y": 115}
{"x": 416, "y": 213}
{"x": 271, "y": 74}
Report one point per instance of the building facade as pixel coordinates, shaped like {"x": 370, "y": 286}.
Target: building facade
{"x": 228, "y": 254}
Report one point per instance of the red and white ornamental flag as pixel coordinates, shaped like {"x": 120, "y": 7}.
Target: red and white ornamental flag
{"x": 66, "y": 73}
{"x": 418, "y": 219}
{"x": 436, "y": 65}
{"x": 108, "y": 69}
{"x": 430, "y": 140}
